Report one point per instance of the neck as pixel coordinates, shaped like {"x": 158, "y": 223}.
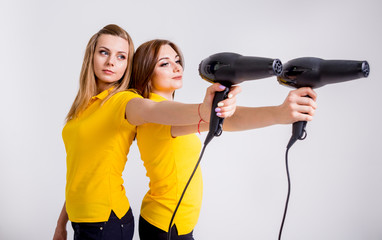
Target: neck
{"x": 167, "y": 95}
{"x": 102, "y": 87}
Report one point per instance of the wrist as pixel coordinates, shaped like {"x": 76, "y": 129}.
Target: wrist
{"x": 276, "y": 115}
{"x": 204, "y": 112}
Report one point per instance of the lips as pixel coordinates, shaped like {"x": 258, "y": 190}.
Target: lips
{"x": 107, "y": 71}
{"x": 177, "y": 78}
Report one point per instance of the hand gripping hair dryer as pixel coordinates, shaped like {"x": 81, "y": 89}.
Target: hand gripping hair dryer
{"x": 229, "y": 69}
{"x": 315, "y": 72}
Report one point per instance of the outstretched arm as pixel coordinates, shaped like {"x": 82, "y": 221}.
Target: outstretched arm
{"x": 296, "y": 107}
{"x": 140, "y": 111}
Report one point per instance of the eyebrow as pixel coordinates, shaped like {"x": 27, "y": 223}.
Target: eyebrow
{"x": 109, "y": 50}
{"x": 166, "y": 58}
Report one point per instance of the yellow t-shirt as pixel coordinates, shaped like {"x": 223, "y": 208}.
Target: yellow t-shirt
{"x": 169, "y": 163}
{"x": 97, "y": 143}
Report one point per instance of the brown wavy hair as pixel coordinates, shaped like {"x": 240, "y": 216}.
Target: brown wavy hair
{"x": 144, "y": 61}
{"x": 88, "y": 86}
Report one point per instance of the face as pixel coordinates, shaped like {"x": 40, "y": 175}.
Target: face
{"x": 110, "y": 60}
{"x": 168, "y": 72}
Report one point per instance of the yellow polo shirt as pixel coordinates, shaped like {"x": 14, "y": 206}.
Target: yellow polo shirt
{"x": 97, "y": 143}
{"x": 169, "y": 163}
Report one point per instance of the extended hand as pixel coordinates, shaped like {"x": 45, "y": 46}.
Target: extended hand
{"x": 298, "y": 107}
{"x": 226, "y": 108}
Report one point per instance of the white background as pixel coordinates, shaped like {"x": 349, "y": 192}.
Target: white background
{"x": 336, "y": 172}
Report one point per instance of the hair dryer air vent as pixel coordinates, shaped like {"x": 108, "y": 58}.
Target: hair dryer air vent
{"x": 365, "y": 69}
{"x": 277, "y": 67}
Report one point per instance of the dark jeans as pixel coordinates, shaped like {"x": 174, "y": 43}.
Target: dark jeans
{"x": 113, "y": 229}
{"x": 150, "y": 232}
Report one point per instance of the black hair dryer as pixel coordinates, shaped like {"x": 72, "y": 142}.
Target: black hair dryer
{"x": 229, "y": 69}
{"x": 315, "y": 72}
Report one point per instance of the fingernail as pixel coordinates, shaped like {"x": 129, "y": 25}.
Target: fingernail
{"x": 217, "y": 109}
{"x": 218, "y": 114}
{"x": 230, "y": 95}
{"x": 220, "y": 104}
{"x": 221, "y": 87}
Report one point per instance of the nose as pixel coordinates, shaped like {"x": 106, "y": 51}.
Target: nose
{"x": 110, "y": 61}
{"x": 177, "y": 68}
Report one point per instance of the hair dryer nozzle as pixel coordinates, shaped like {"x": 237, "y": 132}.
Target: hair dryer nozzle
{"x": 315, "y": 72}
{"x": 365, "y": 68}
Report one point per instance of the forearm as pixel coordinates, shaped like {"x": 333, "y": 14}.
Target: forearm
{"x": 175, "y": 113}
{"x": 296, "y": 107}
{"x": 246, "y": 118}
{"x": 63, "y": 218}
{"x": 60, "y": 232}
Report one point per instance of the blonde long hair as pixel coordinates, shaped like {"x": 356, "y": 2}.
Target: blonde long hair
{"x": 88, "y": 86}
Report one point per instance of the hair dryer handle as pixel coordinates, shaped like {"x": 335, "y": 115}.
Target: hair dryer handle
{"x": 216, "y": 123}
{"x": 298, "y": 132}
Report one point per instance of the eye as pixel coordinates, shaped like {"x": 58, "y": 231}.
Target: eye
{"x": 164, "y": 64}
{"x": 103, "y": 52}
{"x": 122, "y": 57}
{"x": 179, "y": 62}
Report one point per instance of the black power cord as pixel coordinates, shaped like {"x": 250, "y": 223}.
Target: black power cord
{"x": 288, "y": 194}
{"x": 298, "y": 133}
{"x": 193, "y": 173}
{"x": 184, "y": 191}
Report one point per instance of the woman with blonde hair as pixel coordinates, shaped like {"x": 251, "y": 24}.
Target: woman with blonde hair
{"x": 99, "y": 130}
{"x": 170, "y": 153}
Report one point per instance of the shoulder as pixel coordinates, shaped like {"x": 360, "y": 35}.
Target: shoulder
{"x": 125, "y": 96}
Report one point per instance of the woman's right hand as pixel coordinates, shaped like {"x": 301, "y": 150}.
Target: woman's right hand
{"x": 298, "y": 107}
{"x": 226, "y": 108}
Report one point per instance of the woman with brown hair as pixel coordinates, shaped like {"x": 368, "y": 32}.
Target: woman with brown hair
{"x": 170, "y": 153}
{"x": 99, "y": 130}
